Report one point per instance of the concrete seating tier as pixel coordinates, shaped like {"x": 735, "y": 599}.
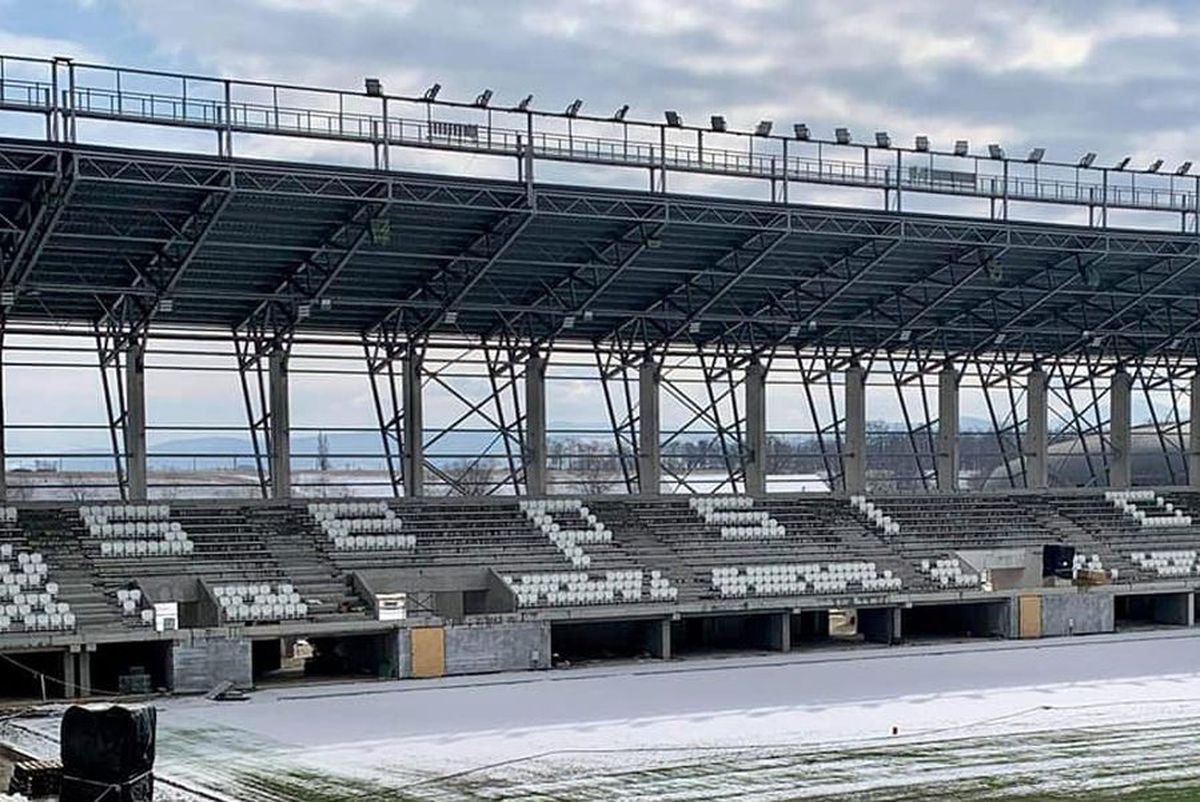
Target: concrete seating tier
{"x": 802, "y": 578}
{"x": 254, "y": 602}
{"x": 561, "y": 589}
{"x": 948, "y": 573}
{"x": 1124, "y": 537}
{"x": 576, "y": 526}
{"x": 361, "y": 525}
{"x": 1148, "y": 508}
{"x": 30, "y": 599}
{"x": 736, "y": 517}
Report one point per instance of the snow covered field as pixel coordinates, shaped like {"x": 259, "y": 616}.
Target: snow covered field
{"x": 1091, "y": 718}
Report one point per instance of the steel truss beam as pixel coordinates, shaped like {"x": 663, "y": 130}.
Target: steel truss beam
{"x": 38, "y": 217}
{"x": 111, "y": 356}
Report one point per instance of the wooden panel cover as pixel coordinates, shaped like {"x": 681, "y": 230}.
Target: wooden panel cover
{"x": 428, "y": 652}
{"x": 1030, "y": 616}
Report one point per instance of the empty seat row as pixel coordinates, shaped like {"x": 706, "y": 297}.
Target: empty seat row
{"x": 132, "y": 529}
{"x": 146, "y": 548}
{"x": 703, "y": 505}
{"x": 875, "y": 515}
{"x": 260, "y": 602}
{"x": 558, "y": 589}
{"x": 374, "y": 542}
{"x": 124, "y": 512}
{"x": 330, "y": 510}
{"x": 568, "y": 538}
{"x": 801, "y": 578}
{"x": 948, "y": 572}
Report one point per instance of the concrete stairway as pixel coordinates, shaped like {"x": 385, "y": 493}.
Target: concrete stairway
{"x": 312, "y": 573}
{"x": 52, "y": 533}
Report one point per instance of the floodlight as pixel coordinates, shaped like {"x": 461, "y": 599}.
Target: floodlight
{"x": 1155, "y": 166}
{"x": 1000, "y": 338}
{"x": 904, "y": 335}
{"x": 882, "y": 140}
{"x": 381, "y": 231}
{"x": 620, "y": 113}
{"x": 793, "y": 331}
{"x": 8, "y": 297}
{"x": 961, "y": 147}
{"x": 1086, "y": 159}
{"x": 373, "y": 87}
{"x": 573, "y": 109}
{"x": 524, "y": 104}
{"x": 694, "y": 327}
{"x": 483, "y": 98}
{"x": 763, "y": 128}
{"x": 842, "y": 135}
{"x": 1183, "y": 169}
{"x": 569, "y": 322}
{"x": 1036, "y": 155}
{"x": 303, "y": 311}
{"x": 165, "y": 305}
{"x": 326, "y": 304}
{"x": 1091, "y": 276}
{"x": 995, "y": 151}
{"x": 1098, "y": 341}
{"x": 432, "y": 92}
{"x": 587, "y": 314}
{"x": 673, "y": 119}
{"x": 922, "y": 144}
{"x": 1121, "y": 165}
{"x": 653, "y": 242}
{"x": 801, "y": 131}
{"x": 718, "y": 123}
{"x": 450, "y": 318}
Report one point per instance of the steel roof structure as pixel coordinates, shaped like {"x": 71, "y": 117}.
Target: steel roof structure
{"x": 119, "y": 243}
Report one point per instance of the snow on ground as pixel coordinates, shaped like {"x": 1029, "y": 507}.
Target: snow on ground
{"x": 1090, "y": 718}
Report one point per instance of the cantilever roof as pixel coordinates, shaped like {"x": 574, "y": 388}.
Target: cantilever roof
{"x": 233, "y": 243}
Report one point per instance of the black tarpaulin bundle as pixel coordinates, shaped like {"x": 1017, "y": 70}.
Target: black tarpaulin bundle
{"x": 108, "y": 753}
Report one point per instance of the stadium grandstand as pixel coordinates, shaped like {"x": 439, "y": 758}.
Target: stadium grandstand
{"x": 778, "y": 453}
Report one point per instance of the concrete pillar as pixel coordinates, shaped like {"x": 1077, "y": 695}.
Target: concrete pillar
{"x": 414, "y": 424}
{"x": 756, "y": 429}
{"x": 535, "y": 426}
{"x": 135, "y": 420}
{"x": 1193, "y": 461}
{"x": 83, "y": 676}
{"x": 280, "y": 424}
{"x": 1120, "y": 472}
{"x": 779, "y": 633}
{"x": 1036, "y": 431}
{"x": 70, "y": 684}
{"x": 649, "y": 430}
{"x": 658, "y": 638}
{"x": 854, "y": 458}
{"x": 947, "y": 435}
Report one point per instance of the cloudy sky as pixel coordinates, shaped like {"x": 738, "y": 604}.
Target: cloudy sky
{"x": 1113, "y": 76}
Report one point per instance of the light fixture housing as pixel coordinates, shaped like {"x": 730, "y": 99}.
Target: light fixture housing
{"x": 524, "y": 104}
{"x": 165, "y": 305}
{"x": 694, "y": 327}
{"x": 801, "y": 131}
{"x": 303, "y": 311}
{"x": 373, "y": 87}
{"x": 1184, "y": 168}
{"x": 961, "y": 147}
{"x": 619, "y": 114}
{"x": 921, "y": 143}
{"x": 673, "y": 119}
{"x": 842, "y": 135}
{"x": 1155, "y": 166}
{"x": 432, "y": 92}
{"x": 1121, "y": 165}
{"x": 718, "y": 123}
{"x": 450, "y": 318}
{"x": 995, "y": 151}
{"x": 882, "y": 139}
{"x": 1036, "y": 155}
{"x": 763, "y": 128}
{"x": 1086, "y": 159}
{"x": 483, "y": 98}
{"x": 573, "y": 109}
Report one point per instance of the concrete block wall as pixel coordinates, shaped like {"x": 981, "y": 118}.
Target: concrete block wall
{"x": 1077, "y": 613}
{"x": 200, "y": 663}
{"x": 497, "y": 647}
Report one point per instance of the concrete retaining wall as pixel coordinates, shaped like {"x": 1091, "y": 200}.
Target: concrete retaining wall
{"x": 201, "y": 663}
{"x": 497, "y": 647}
{"x": 1077, "y": 614}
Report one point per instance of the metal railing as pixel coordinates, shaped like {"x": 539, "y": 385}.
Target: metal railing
{"x": 65, "y": 92}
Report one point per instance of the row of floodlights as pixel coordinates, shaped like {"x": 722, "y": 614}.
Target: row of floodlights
{"x": 801, "y": 131}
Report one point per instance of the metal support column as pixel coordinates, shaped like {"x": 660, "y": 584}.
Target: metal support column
{"x": 280, "y": 424}
{"x": 1120, "y": 436}
{"x": 1036, "y": 431}
{"x": 3, "y": 423}
{"x": 1193, "y": 461}
{"x": 854, "y": 460}
{"x": 535, "y": 425}
{"x": 414, "y": 423}
{"x": 135, "y": 420}
{"x": 649, "y": 429}
{"x": 947, "y": 433}
{"x": 756, "y": 429}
